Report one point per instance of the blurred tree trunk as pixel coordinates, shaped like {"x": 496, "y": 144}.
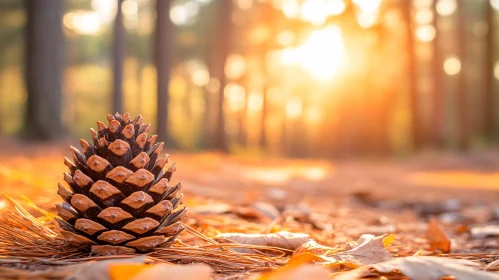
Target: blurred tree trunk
{"x": 243, "y": 114}
{"x": 438, "y": 106}
{"x": 163, "y": 60}
{"x": 265, "y": 113}
{"x": 464, "y": 131}
{"x": 490, "y": 82}
{"x": 268, "y": 16}
{"x": 44, "y": 67}
{"x": 222, "y": 47}
{"x": 118, "y": 59}
{"x": 411, "y": 78}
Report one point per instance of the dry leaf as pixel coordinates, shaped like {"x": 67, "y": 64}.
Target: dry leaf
{"x": 387, "y": 241}
{"x": 297, "y": 273}
{"x": 369, "y": 249}
{"x": 423, "y": 268}
{"x": 126, "y": 271}
{"x": 484, "y": 232}
{"x": 437, "y": 238}
{"x": 282, "y": 239}
{"x": 101, "y": 270}
{"x": 303, "y": 258}
{"x": 429, "y": 268}
{"x": 314, "y": 248}
{"x": 183, "y": 272}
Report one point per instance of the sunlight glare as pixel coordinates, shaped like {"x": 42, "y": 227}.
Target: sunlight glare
{"x": 419, "y": 4}
{"x": 335, "y": 7}
{"x": 291, "y": 9}
{"x": 322, "y": 54}
{"x": 178, "y": 15}
{"x": 424, "y": 16}
{"x": 83, "y": 22}
{"x": 255, "y": 102}
{"x": 315, "y": 174}
{"x": 234, "y": 93}
{"x": 426, "y": 33}
{"x": 200, "y": 77}
{"x": 106, "y": 9}
{"x": 285, "y": 37}
{"x": 496, "y": 70}
{"x": 130, "y": 8}
{"x": 313, "y": 12}
{"x": 244, "y": 4}
{"x": 452, "y": 66}
{"x": 446, "y": 7}
{"x": 235, "y": 66}
{"x": 495, "y": 4}
{"x": 368, "y": 6}
{"x": 294, "y": 107}
{"x": 366, "y": 20}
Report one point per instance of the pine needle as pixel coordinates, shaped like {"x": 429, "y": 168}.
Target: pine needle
{"x": 28, "y": 243}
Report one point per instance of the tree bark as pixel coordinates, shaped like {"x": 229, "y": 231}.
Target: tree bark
{"x": 44, "y": 66}
{"x": 490, "y": 82}
{"x": 438, "y": 107}
{"x": 411, "y": 79}
{"x": 224, "y": 29}
{"x": 118, "y": 59}
{"x": 163, "y": 60}
{"x": 464, "y": 131}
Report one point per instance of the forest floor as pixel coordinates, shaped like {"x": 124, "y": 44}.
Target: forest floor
{"x": 335, "y": 202}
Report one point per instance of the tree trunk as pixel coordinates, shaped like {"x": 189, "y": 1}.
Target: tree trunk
{"x": 411, "y": 79}
{"x": 163, "y": 60}
{"x": 438, "y": 107}
{"x": 224, "y": 29}
{"x": 118, "y": 59}
{"x": 490, "y": 82}
{"x": 265, "y": 113}
{"x": 464, "y": 132}
{"x": 44, "y": 66}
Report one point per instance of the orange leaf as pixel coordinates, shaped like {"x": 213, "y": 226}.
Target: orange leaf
{"x": 437, "y": 238}
{"x": 303, "y": 258}
{"x": 387, "y": 241}
{"x": 126, "y": 271}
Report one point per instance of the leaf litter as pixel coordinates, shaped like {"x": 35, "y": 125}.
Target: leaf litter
{"x": 259, "y": 237}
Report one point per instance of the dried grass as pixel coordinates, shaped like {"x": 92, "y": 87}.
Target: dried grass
{"x": 32, "y": 247}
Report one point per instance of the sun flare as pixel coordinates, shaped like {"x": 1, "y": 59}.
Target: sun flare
{"x": 321, "y": 55}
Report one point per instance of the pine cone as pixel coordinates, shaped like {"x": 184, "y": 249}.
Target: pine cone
{"x": 120, "y": 200}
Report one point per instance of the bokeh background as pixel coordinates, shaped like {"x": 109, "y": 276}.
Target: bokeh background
{"x": 298, "y": 78}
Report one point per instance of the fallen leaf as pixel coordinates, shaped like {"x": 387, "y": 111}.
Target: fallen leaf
{"x": 303, "y": 258}
{"x": 101, "y": 270}
{"x": 184, "y": 272}
{"x": 484, "y": 232}
{"x": 368, "y": 249}
{"x": 282, "y": 239}
{"x": 126, "y": 271}
{"x": 423, "y": 268}
{"x": 267, "y": 209}
{"x": 427, "y": 268}
{"x": 387, "y": 241}
{"x": 315, "y": 248}
{"x": 306, "y": 271}
{"x": 437, "y": 238}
